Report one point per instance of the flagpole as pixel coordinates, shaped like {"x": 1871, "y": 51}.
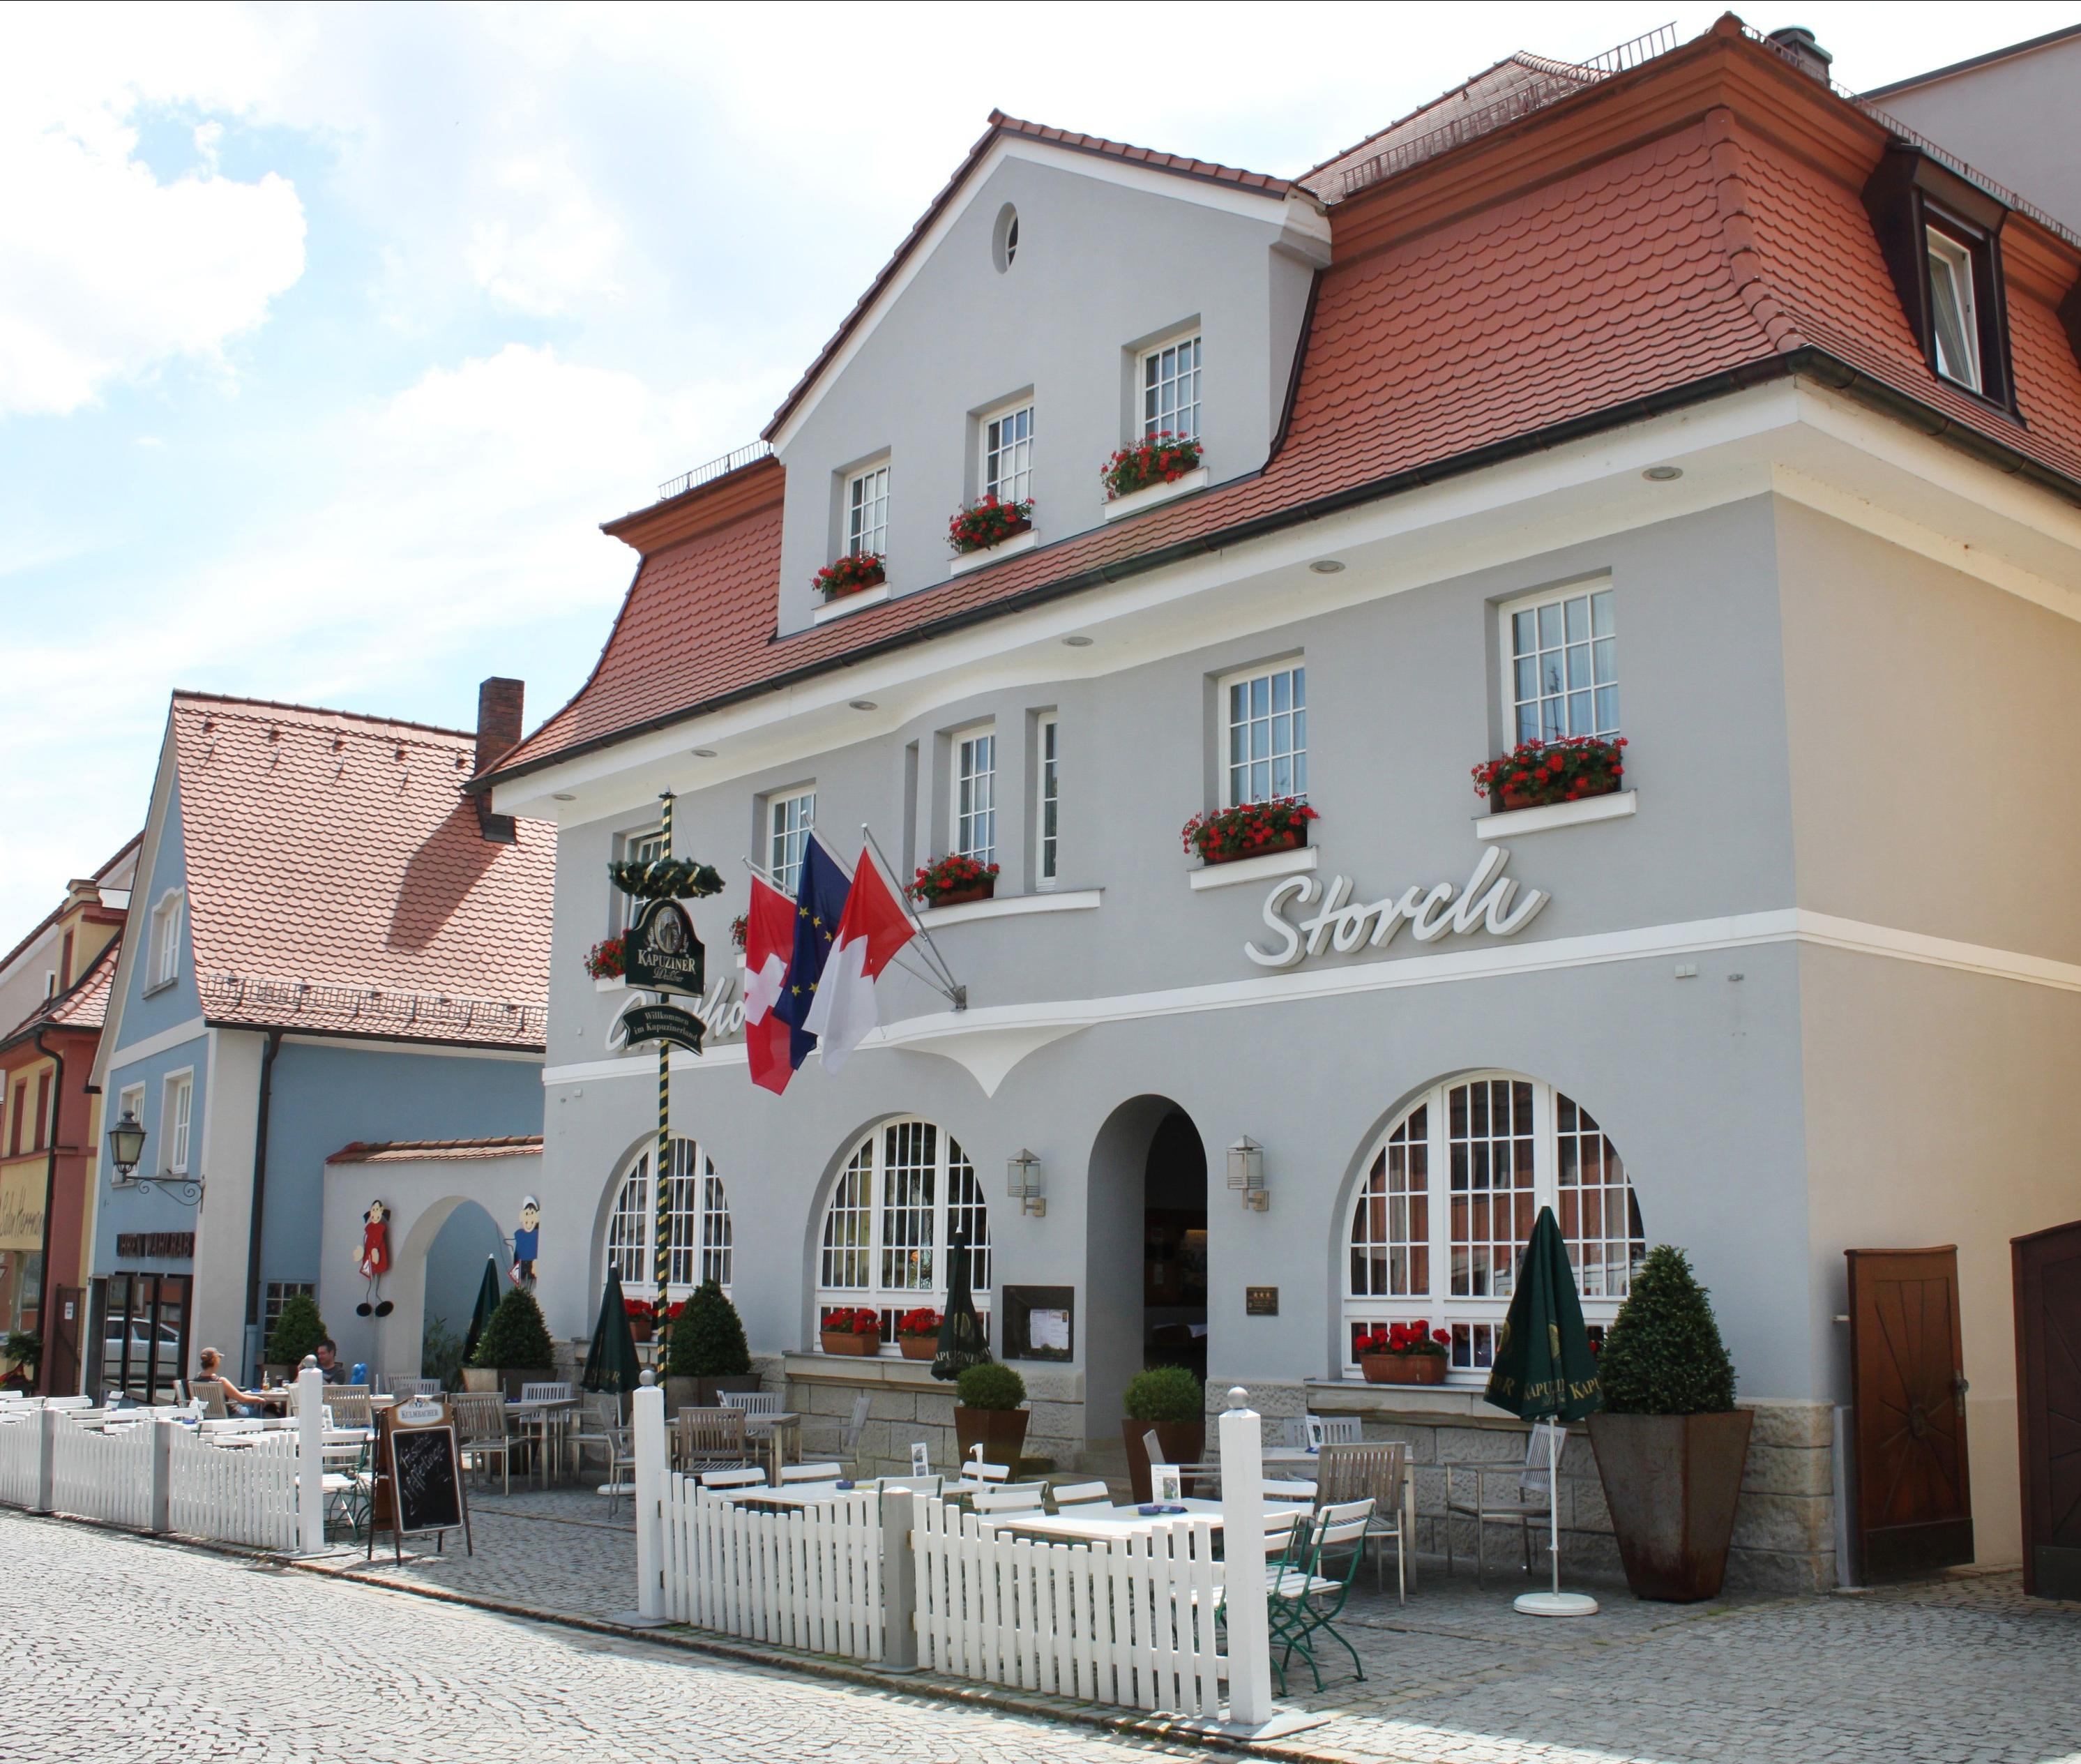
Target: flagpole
{"x": 956, "y": 993}
{"x": 919, "y": 974}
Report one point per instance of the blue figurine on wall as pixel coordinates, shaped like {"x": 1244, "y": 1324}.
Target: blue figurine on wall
{"x": 524, "y": 1241}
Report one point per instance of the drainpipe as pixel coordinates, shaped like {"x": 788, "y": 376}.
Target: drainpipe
{"x": 259, "y": 1182}
{"x": 45, "y": 1286}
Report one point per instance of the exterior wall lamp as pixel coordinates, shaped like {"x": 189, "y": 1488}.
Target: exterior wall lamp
{"x": 1021, "y": 1180}
{"x": 1247, "y": 1173}
{"x": 126, "y": 1149}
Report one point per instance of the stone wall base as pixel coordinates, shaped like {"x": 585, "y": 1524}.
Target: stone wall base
{"x": 906, "y": 1405}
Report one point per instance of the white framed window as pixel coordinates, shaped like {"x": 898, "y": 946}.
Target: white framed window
{"x": 788, "y": 820}
{"x": 279, "y": 1293}
{"x": 1954, "y": 317}
{"x": 905, "y": 1189}
{"x": 1450, "y": 1194}
{"x": 174, "y": 1109}
{"x": 866, "y": 512}
{"x": 168, "y": 919}
{"x": 1048, "y": 800}
{"x": 975, "y": 794}
{"x": 1560, "y": 662}
{"x": 1170, "y": 379}
{"x": 698, "y": 1237}
{"x": 1007, "y": 438}
{"x": 641, "y": 847}
{"x": 1265, "y": 717}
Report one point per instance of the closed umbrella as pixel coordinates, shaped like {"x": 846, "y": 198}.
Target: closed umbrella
{"x": 488, "y": 1296}
{"x": 962, "y": 1342}
{"x": 1544, "y": 1371}
{"x": 612, "y": 1364}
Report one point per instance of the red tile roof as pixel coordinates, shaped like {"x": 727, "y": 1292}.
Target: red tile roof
{"x": 1486, "y": 301}
{"x": 337, "y": 883}
{"x": 416, "y": 1150}
{"x": 82, "y": 1005}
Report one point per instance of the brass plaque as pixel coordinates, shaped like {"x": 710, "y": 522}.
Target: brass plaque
{"x": 1260, "y": 1301}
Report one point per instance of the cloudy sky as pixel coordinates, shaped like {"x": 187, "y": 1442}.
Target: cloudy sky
{"x": 328, "y": 336}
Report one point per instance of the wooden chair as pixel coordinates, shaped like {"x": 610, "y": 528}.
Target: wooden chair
{"x": 348, "y": 1407}
{"x": 1331, "y": 1430}
{"x": 480, "y": 1421}
{"x": 753, "y": 1403}
{"x": 1378, "y": 1471}
{"x": 408, "y": 1388}
{"x": 1526, "y": 1499}
{"x": 709, "y": 1439}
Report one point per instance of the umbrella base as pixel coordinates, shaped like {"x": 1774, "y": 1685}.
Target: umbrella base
{"x": 1557, "y": 1604}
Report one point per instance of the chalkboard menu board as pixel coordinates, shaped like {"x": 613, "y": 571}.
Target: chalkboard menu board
{"x": 418, "y": 1477}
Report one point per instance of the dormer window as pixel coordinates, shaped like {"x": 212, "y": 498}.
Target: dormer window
{"x": 1171, "y": 389}
{"x": 1954, "y": 320}
{"x": 1007, "y": 454}
{"x": 866, "y": 512}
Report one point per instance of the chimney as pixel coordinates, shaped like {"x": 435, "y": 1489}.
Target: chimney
{"x": 498, "y": 707}
{"x": 1796, "y": 44}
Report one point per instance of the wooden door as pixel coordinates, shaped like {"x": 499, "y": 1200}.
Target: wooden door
{"x": 62, "y": 1371}
{"x": 1915, "y": 1510}
{"x": 2048, "y": 1325}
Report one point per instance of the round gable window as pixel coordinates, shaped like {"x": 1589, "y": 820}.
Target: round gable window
{"x": 1004, "y": 245}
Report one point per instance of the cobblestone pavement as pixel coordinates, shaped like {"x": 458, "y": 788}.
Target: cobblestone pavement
{"x": 124, "y": 1650}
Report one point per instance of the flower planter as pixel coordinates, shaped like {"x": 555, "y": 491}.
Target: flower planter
{"x": 640, "y": 1328}
{"x": 874, "y": 581}
{"x": 1509, "y": 797}
{"x": 1291, "y": 840}
{"x": 919, "y": 1347}
{"x": 1000, "y": 1432}
{"x": 1012, "y": 531}
{"x": 1403, "y": 1368}
{"x": 1183, "y": 1442}
{"x": 845, "y": 1342}
{"x": 1671, "y": 1482}
{"x": 962, "y": 897}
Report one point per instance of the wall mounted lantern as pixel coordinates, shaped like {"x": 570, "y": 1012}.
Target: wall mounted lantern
{"x": 1021, "y": 1179}
{"x": 126, "y": 1150}
{"x": 1247, "y": 1173}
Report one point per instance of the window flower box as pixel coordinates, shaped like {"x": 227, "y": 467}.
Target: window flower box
{"x": 1162, "y": 458}
{"x": 917, "y": 1333}
{"x": 977, "y": 526}
{"x": 1535, "y": 773}
{"x": 642, "y": 1318}
{"x": 1403, "y": 1353}
{"x": 1249, "y": 830}
{"x": 855, "y": 1332}
{"x": 852, "y": 573}
{"x": 954, "y": 881}
{"x": 604, "y": 960}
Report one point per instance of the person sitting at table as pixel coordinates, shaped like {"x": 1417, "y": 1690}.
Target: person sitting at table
{"x": 328, "y": 1359}
{"x": 236, "y": 1402}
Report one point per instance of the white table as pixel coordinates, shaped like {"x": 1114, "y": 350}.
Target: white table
{"x": 541, "y": 1412}
{"x": 775, "y": 1431}
{"x": 1095, "y": 1524}
{"x": 791, "y": 1494}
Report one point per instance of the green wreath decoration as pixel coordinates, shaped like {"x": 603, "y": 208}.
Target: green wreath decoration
{"x": 666, "y": 879}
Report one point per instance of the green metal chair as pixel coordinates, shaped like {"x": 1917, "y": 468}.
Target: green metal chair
{"x": 1307, "y": 1597}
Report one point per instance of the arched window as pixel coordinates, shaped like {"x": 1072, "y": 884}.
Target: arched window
{"x": 1450, "y": 1194}
{"x": 697, "y": 1226}
{"x": 906, "y": 1188}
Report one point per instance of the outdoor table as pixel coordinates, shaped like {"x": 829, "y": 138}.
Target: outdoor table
{"x": 778, "y": 1433}
{"x": 1098, "y": 1525}
{"x": 543, "y": 1413}
{"x": 793, "y": 1494}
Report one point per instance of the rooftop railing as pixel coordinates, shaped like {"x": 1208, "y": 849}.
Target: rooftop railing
{"x": 734, "y": 460}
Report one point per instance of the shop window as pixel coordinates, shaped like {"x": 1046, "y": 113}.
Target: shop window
{"x": 699, "y": 1236}
{"x": 905, "y": 1189}
{"x": 1450, "y": 1194}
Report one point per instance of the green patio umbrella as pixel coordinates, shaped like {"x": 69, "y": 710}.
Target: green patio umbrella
{"x": 611, "y": 1364}
{"x": 488, "y": 1296}
{"x": 1544, "y": 1371}
{"x": 962, "y": 1342}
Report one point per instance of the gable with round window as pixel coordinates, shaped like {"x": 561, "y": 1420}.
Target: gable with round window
{"x": 697, "y": 1227}
{"x": 1450, "y": 1195}
{"x": 905, "y": 1189}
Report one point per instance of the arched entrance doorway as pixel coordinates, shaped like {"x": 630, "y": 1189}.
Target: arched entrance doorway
{"x": 1146, "y": 1254}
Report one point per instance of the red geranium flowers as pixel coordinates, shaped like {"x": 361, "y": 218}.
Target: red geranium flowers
{"x": 1401, "y": 1339}
{"x": 1163, "y": 458}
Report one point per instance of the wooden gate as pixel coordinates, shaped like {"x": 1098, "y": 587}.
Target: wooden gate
{"x": 2048, "y": 1326}
{"x": 1915, "y": 1510}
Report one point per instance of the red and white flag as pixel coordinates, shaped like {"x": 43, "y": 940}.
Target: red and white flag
{"x": 872, "y": 927}
{"x": 769, "y": 945}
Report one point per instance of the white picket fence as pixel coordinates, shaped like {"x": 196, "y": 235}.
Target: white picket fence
{"x": 808, "y": 1578}
{"x": 104, "y": 1476}
{"x": 1130, "y": 1621}
{"x": 247, "y": 1496}
{"x": 21, "y": 1456}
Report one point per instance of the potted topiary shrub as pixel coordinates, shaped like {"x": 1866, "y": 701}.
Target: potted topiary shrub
{"x": 1403, "y": 1353}
{"x": 1671, "y": 1444}
{"x": 918, "y": 1333}
{"x": 298, "y": 1329}
{"x": 706, "y": 1353}
{"x": 987, "y": 1414}
{"x": 515, "y": 1343}
{"x": 1170, "y": 1401}
{"x": 847, "y": 1329}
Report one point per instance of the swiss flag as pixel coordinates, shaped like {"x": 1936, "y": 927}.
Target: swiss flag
{"x": 768, "y": 943}
{"x": 872, "y": 927}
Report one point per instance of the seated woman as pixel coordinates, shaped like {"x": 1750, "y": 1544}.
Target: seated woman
{"x": 236, "y": 1401}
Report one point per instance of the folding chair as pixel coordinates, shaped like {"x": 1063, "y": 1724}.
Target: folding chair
{"x": 1306, "y": 1601}
{"x": 1001, "y": 1503}
{"x": 1082, "y": 1494}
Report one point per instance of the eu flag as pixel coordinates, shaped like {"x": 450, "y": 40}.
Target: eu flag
{"x": 818, "y": 901}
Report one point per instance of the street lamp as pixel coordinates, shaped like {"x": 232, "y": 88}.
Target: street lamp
{"x": 126, "y": 1150}
{"x": 126, "y": 1144}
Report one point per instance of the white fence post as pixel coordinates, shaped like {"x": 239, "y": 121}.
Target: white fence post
{"x": 160, "y": 1516}
{"x": 651, "y": 1470}
{"x": 48, "y": 1420}
{"x": 310, "y": 1460}
{"x": 1242, "y": 1524}
{"x": 899, "y": 1581}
